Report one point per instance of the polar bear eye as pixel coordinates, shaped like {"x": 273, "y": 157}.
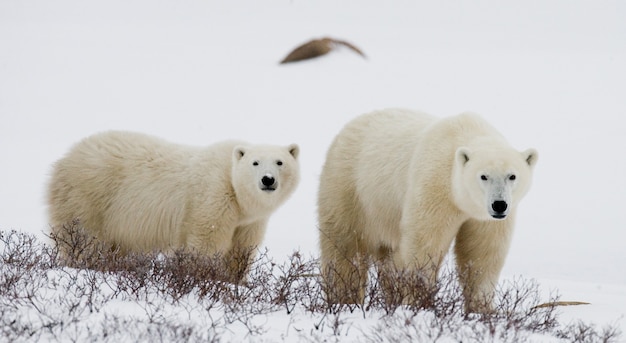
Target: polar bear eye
{"x": 484, "y": 177}
{"x": 255, "y": 163}
{"x": 512, "y": 177}
{"x": 280, "y": 163}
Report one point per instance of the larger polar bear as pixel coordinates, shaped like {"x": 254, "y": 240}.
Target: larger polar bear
{"x": 400, "y": 186}
{"x": 141, "y": 194}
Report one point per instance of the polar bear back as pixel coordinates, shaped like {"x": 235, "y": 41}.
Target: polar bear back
{"x": 107, "y": 179}
{"x": 374, "y": 140}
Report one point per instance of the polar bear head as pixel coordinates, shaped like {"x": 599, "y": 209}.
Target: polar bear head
{"x": 264, "y": 175}
{"x": 489, "y": 182}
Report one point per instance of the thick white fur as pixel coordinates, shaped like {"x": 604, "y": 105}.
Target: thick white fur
{"x": 401, "y": 186}
{"x": 141, "y": 193}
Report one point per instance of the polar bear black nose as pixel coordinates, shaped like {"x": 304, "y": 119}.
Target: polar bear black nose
{"x": 499, "y": 206}
{"x": 268, "y": 180}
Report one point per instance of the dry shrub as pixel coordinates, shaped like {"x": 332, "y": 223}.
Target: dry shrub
{"x": 297, "y": 283}
{"x": 585, "y": 333}
{"x": 186, "y": 297}
{"x": 77, "y": 248}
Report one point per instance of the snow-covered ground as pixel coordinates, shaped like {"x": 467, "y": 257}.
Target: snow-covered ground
{"x": 549, "y": 75}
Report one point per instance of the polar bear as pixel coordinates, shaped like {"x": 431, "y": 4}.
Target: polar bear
{"x": 142, "y": 194}
{"x": 400, "y": 186}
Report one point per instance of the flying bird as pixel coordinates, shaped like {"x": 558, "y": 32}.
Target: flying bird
{"x": 318, "y": 47}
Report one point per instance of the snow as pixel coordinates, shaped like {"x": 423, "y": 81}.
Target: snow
{"x": 549, "y": 75}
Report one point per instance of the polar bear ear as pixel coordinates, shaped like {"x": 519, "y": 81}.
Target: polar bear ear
{"x": 530, "y": 156}
{"x": 294, "y": 150}
{"x": 238, "y": 153}
{"x": 462, "y": 155}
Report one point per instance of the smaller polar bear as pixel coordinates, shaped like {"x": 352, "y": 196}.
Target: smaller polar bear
{"x": 398, "y": 187}
{"x": 142, "y": 194}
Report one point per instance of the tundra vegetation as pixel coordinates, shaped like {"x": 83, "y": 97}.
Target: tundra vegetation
{"x": 184, "y": 297}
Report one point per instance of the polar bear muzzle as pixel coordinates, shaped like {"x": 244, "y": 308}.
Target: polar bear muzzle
{"x": 499, "y": 209}
{"x": 268, "y": 183}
